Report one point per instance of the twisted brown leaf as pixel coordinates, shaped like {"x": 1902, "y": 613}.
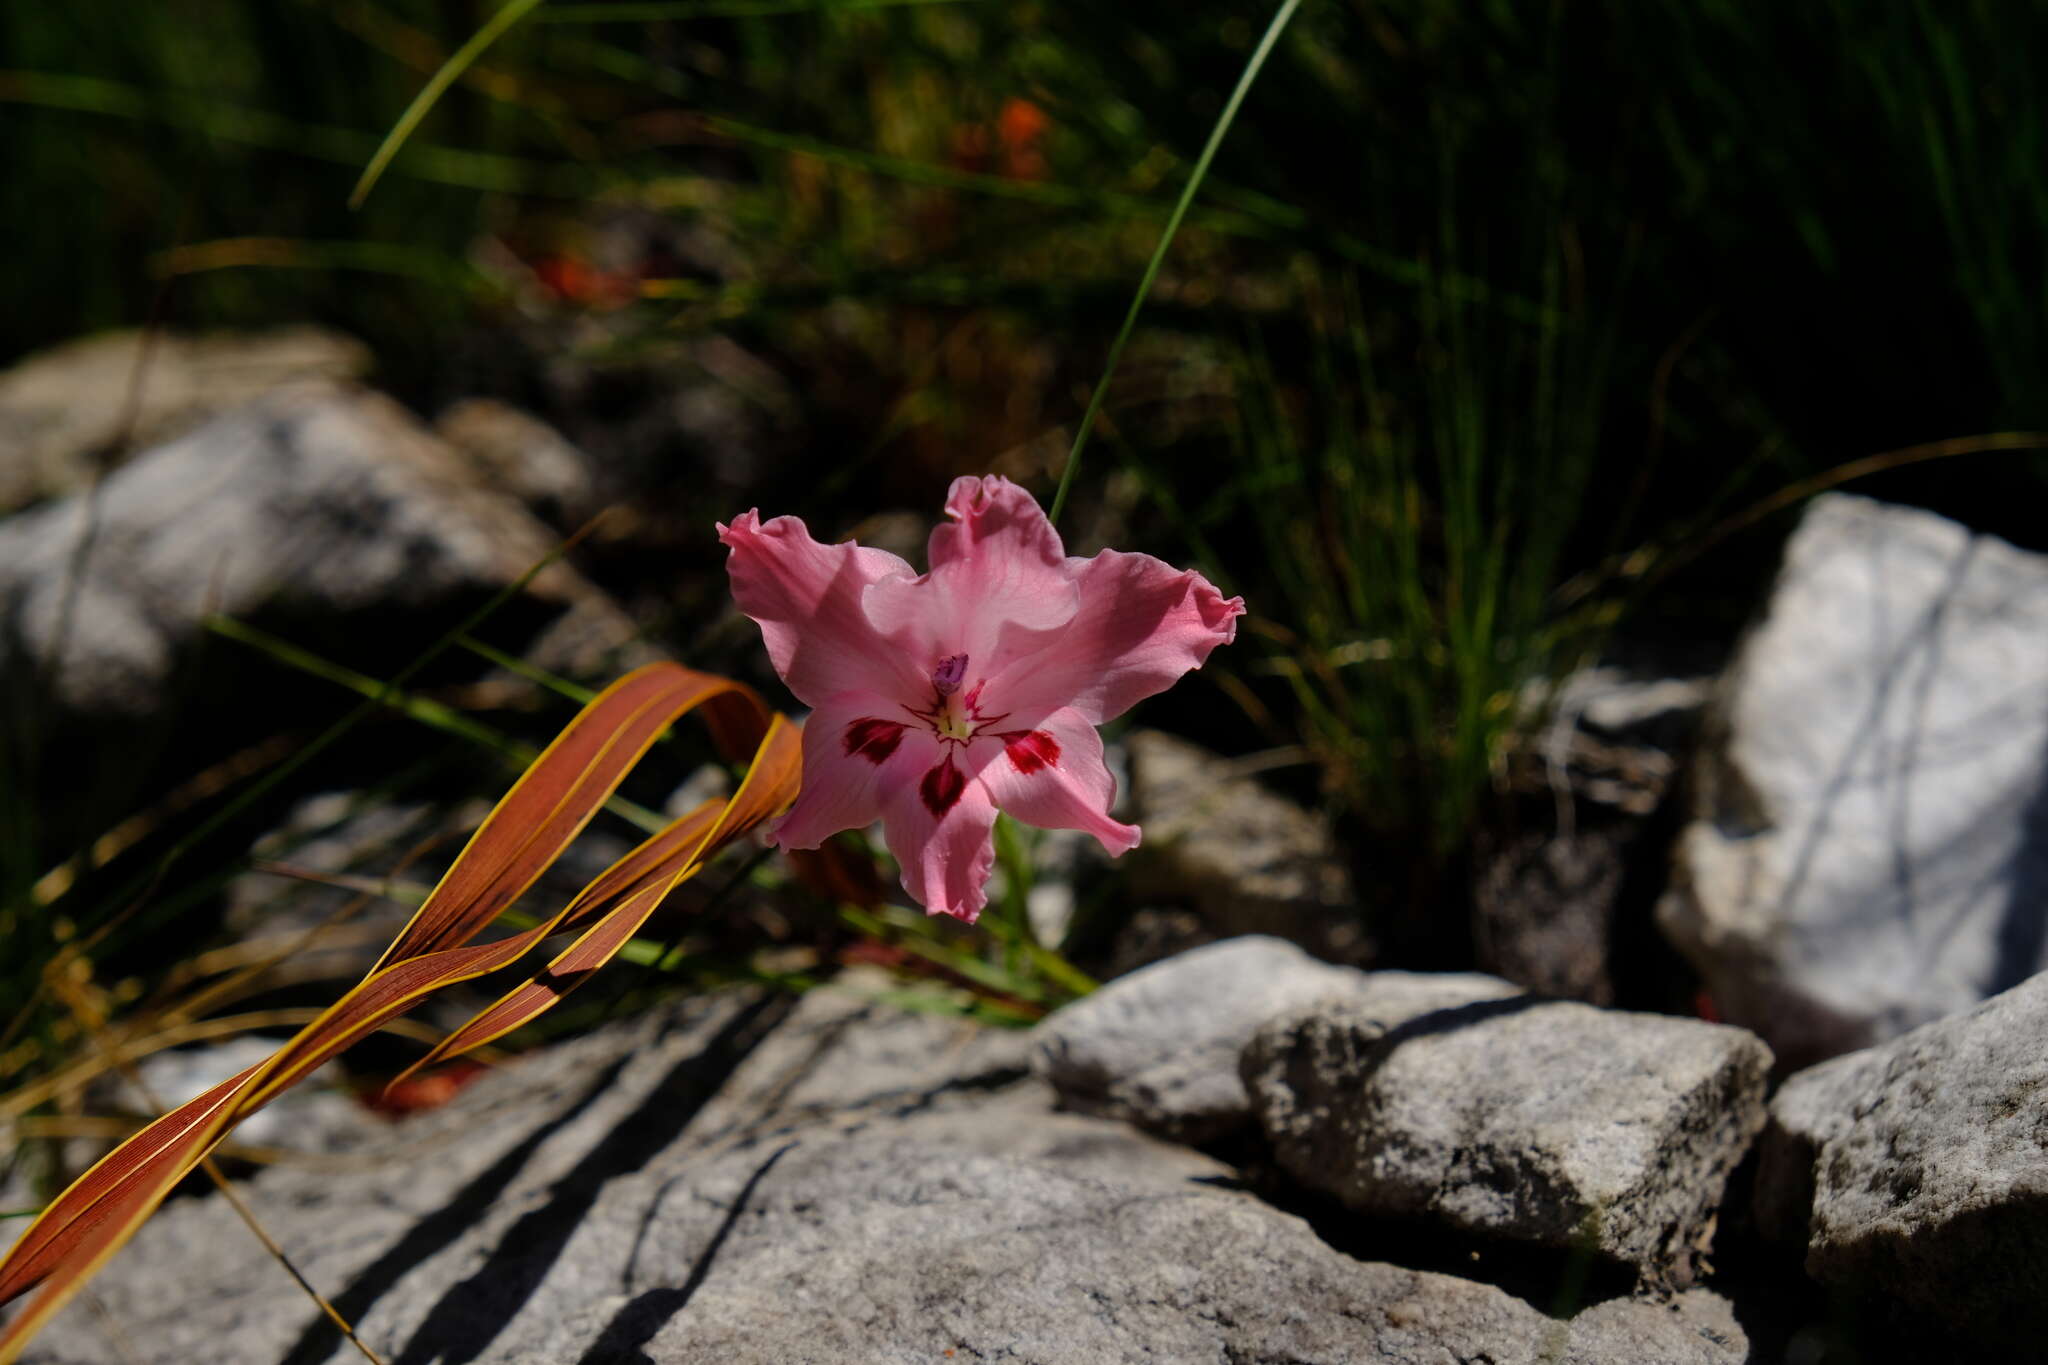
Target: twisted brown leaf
{"x": 529, "y": 828}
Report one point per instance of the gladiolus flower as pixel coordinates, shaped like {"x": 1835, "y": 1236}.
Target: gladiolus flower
{"x": 939, "y": 699}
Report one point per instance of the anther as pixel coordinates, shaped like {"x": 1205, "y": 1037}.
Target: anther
{"x": 948, "y": 676}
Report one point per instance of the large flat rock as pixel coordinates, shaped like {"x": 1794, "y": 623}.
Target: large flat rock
{"x": 1869, "y": 846}
{"x": 742, "y": 1180}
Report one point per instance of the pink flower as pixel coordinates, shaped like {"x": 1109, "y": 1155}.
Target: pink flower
{"x": 938, "y": 699}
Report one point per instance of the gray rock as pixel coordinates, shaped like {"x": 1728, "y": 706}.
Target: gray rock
{"x": 317, "y": 931}
{"x": 1543, "y": 1121}
{"x": 519, "y": 454}
{"x": 1159, "y": 1047}
{"x": 1930, "y": 1168}
{"x": 1558, "y": 881}
{"x": 1550, "y": 882}
{"x": 314, "y": 1117}
{"x": 325, "y": 501}
{"x": 1694, "y": 1326}
{"x": 1251, "y": 861}
{"x": 724, "y": 1183}
{"x": 1868, "y": 850}
{"x": 1613, "y": 736}
{"x": 1545, "y": 897}
{"x": 1811, "y": 1107}
{"x": 72, "y": 412}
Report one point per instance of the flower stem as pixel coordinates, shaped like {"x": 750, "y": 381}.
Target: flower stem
{"x": 1180, "y": 209}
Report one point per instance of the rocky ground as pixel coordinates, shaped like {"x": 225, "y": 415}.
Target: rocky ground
{"x": 1250, "y": 1145}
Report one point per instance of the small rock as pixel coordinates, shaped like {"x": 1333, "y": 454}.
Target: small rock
{"x": 519, "y": 454}
{"x": 1544, "y": 901}
{"x": 71, "y": 413}
{"x": 1693, "y": 1328}
{"x": 1542, "y": 1121}
{"x": 1614, "y": 735}
{"x": 1559, "y": 883}
{"x": 1159, "y": 1047}
{"x": 1249, "y": 860}
{"x": 1868, "y": 849}
{"x": 1929, "y": 1173}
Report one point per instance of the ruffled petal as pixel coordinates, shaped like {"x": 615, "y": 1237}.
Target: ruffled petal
{"x": 1000, "y": 585}
{"x": 856, "y": 748}
{"x": 1053, "y": 776}
{"x": 991, "y": 516}
{"x": 1141, "y": 625}
{"x": 807, "y": 599}
{"x": 940, "y": 826}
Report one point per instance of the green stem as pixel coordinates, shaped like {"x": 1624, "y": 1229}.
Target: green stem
{"x": 1180, "y": 209}
{"x": 458, "y": 62}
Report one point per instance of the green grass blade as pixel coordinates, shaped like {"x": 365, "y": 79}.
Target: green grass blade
{"x": 422, "y": 709}
{"x": 653, "y": 11}
{"x": 1180, "y": 210}
{"x": 458, "y": 62}
{"x": 512, "y": 663}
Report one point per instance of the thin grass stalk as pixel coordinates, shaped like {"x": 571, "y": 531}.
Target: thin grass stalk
{"x": 458, "y": 62}
{"x": 1166, "y": 236}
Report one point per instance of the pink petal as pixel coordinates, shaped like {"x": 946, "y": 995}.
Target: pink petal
{"x": 1053, "y": 777}
{"x": 1142, "y": 624}
{"x": 806, "y": 597}
{"x": 940, "y": 827}
{"x": 851, "y": 758}
{"x": 1000, "y": 586}
{"x": 992, "y": 516}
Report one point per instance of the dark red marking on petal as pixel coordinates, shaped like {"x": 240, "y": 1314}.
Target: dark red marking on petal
{"x": 874, "y": 740}
{"x": 941, "y": 787}
{"x": 1031, "y": 750}
{"x": 973, "y": 702}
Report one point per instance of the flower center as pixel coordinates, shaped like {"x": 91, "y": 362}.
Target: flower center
{"x": 951, "y": 720}
{"x": 954, "y": 716}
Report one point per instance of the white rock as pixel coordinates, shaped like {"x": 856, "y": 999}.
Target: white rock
{"x": 1868, "y": 849}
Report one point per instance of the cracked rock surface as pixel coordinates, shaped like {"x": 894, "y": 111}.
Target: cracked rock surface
{"x": 747, "y": 1179}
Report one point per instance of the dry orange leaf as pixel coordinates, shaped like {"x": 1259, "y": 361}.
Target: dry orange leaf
{"x": 529, "y": 828}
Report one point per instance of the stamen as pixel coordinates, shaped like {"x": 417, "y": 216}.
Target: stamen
{"x": 948, "y": 676}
